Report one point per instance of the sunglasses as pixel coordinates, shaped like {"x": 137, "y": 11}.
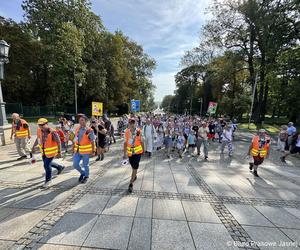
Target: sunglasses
{"x": 41, "y": 125}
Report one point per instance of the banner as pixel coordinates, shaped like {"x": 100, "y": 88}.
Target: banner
{"x": 97, "y": 108}
{"x": 135, "y": 105}
{"x": 212, "y": 108}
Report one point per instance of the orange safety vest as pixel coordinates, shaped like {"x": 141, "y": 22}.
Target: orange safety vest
{"x": 50, "y": 147}
{"x": 85, "y": 144}
{"x": 22, "y": 132}
{"x": 255, "y": 151}
{"x": 137, "y": 148}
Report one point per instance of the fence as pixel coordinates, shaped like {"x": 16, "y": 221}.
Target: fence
{"x": 37, "y": 111}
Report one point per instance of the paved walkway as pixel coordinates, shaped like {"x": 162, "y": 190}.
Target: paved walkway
{"x": 176, "y": 204}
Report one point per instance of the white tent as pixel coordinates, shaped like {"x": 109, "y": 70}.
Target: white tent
{"x": 158, "y": 111}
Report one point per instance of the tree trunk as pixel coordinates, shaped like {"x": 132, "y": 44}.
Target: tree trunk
{"x": 265, "y": 101}
{"x": 258, "y": 110}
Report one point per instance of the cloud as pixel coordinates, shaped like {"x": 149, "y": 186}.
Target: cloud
{"x": 165, "y": 84}
{"x": 166, "y": 29}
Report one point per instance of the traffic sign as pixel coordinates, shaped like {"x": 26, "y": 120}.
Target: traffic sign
{"x": 135, "y": 105}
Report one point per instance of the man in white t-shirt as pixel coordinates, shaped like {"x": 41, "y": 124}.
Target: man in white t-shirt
{"x": 202, "y": 139}
{"x": 227, "y": 140}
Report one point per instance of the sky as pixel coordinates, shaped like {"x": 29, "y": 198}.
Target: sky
{"x": 165, "y": 29}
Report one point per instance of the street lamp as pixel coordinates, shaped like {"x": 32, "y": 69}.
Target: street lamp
{"x": 201, "y": 102}
{"x": 4, "y": 49}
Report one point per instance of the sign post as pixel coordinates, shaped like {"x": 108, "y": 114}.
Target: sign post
{"x": 135, "y": 105}
{"x": 97, "y": 108}
{"x": 212, "y": 108}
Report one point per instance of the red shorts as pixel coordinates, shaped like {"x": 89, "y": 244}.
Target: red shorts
{"x": 211, "y": 136}
{"x": 258, "y": 160}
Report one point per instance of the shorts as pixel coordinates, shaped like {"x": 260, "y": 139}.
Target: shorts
{"x": 192, "y": 145}
{"x": 258, "y": 160}
{"x": 211, "y": 135}
{"x": 134, "y": 161}
{"x": 295, "y": 150}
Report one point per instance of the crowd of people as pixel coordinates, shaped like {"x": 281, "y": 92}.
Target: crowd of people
{"x": 143, "y": 134}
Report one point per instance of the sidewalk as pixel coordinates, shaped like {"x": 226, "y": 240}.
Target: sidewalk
{"x": 176, "y": 204}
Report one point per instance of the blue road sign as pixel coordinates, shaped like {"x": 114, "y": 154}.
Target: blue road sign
{"x": 135, "y": 105}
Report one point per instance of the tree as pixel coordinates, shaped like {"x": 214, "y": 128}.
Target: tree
{"x": 62, "y": 43}
{"x": 167, "y": 102}
{"x": 259, "y": 31}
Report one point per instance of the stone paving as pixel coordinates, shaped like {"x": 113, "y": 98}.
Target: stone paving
{"x": 176, "y": 204}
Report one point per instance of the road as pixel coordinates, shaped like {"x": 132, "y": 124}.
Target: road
{"x": 176, "y": 204}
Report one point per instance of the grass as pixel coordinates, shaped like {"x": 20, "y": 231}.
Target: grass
{"x": 272, "y": 129}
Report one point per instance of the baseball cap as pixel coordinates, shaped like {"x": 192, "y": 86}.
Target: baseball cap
{"x": 42, "y": 121}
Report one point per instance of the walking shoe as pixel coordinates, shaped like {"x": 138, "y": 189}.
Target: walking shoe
{"x": 102, "y": 157}
{"x": 206, "y": 157}
{"x": 282, "y": 158}
{"x": 81, "y": 178}
{"x": 85, "y": 179}
{"x": 255, "y": 173}
{"x": 22, "y": 157}
{"x": 47, "y": 184}
{"x": 98, "y": 158}
{"x": 130, "y": 187}
{"x": 251, "y": 165}
{"x": 60, "y": 170}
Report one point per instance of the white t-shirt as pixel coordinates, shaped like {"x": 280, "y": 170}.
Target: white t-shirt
{"x": 227, "y": 135}
{"x": 203, "y": 132}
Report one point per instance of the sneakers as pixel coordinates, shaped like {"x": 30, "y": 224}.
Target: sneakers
{"x": 22, "y": 158}
{"x": 282, "y": 158}
{"x": 102, "y": 157}
{"x": 47, "y": 184}
{"x": 206, "y": 157}
{"x": 85, "y": 179}
{"x": 255, "y": 173}
{"x": 81, "y": 178}
{"x": 251, "y": 165}
{"x": 130, "y": 187}
{"x": 98, "y": 158}
{"x": 60, "y": 170}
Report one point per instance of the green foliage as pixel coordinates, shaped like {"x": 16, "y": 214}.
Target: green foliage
{"x": 62, "y": 43}
{"x": 245, "y": 39}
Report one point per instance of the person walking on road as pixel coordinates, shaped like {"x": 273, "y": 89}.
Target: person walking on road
{"x": 227, "y": 140}
{"x": 21, "y": 131}
{"x": 133, "y": 149}
{"x": 84, "y": 147}
{"x": 291, "y": 130}
{"x": 110, "y": 129}
{"x": 202, "y": 139}
{"x": 259, "y": 149}
{"x": 282, "y": 139}
{"x": 149, "y": 135}
{"x": 294, "y": 148}
{"x": 100, "y": 134}
{"x": 50, "y": 147}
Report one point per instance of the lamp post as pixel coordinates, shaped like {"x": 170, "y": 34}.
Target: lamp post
{"x": 4, "y": 49}
{"x": 201, "y": 101}
{"x": 75, "y": 90}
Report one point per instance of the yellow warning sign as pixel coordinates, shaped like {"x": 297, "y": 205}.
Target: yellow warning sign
{"x": 97, "y": 108}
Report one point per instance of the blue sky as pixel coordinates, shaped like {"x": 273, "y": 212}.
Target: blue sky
{"x": 165, "y": 28}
